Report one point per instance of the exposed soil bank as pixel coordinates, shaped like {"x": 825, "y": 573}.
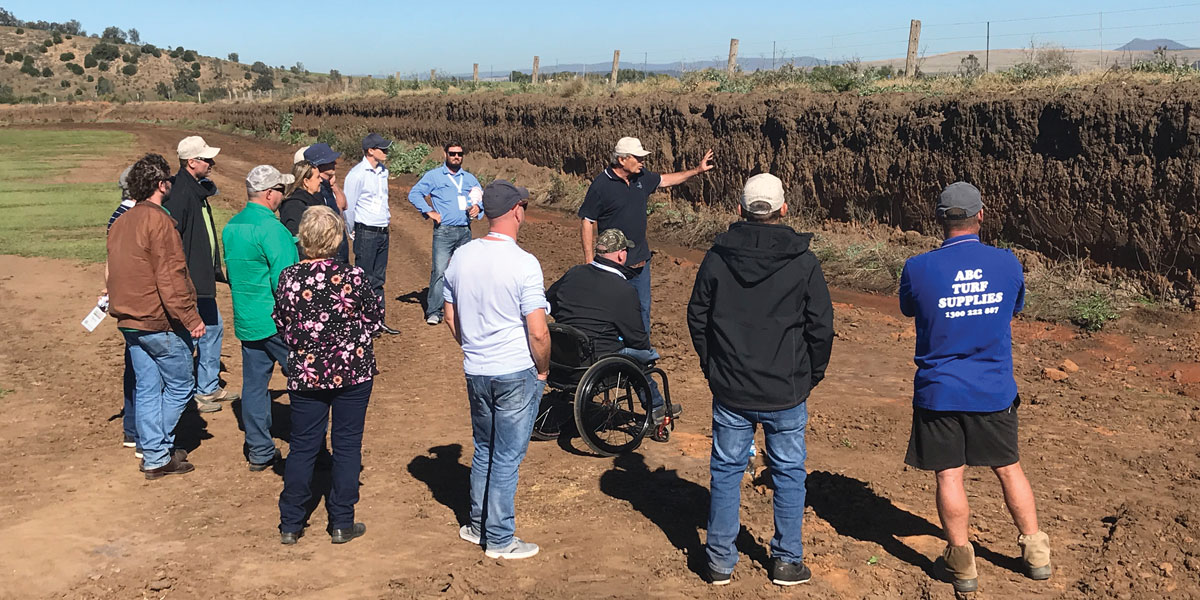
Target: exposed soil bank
{"x": 1105, "y": 173}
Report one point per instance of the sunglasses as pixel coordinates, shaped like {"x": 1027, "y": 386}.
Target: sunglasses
{"x": 279, "y": 188}
{"x": 523, "y": 204}
{"x": 454, "y": 153}
{"x": 208, "y": 161}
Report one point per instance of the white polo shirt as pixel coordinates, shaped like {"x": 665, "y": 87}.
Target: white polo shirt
{"x": 493, "y": 284}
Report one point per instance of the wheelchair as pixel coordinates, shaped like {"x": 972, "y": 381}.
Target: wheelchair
{"x": 604, "y": 394}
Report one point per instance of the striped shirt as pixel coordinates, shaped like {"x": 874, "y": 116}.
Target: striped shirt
{"x": 121, "y": 208}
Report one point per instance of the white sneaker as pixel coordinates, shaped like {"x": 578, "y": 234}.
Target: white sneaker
{"x": 467, "y": 533}
{"x": 137, "y": 453}
{"x": 433, "y": 319}
{"x": 516, "y": 549}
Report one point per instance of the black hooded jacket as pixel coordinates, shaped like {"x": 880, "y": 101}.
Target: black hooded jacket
{"x": 761, "y": 318}
{"x": 188, "y": 204}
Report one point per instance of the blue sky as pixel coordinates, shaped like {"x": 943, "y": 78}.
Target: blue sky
{"x": 410, "y": 38}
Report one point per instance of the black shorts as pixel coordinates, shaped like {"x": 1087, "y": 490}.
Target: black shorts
{"x": 945, "y": 440}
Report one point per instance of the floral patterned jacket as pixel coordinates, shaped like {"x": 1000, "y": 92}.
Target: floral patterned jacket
{"x": 327, "y": 314}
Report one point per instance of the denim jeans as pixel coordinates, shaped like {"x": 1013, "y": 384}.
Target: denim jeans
{"x": 641, "y": 283}
{"x": 208, "y": 348}
{"x": 733, "y": 432}
{"x": 310, "y": 417}
{"x": 446, "y": 239}
{"x": 503, "y": 408}
{"x": 129, "y": 386}
{"x": 258, "y": 362}
{"x": 162, "y": 364}
{"x": 643, "y": 357}
{"x": 371, "y": 255}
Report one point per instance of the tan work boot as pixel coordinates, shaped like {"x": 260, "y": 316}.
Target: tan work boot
{"x": 1035, "y": 555}
{"x": 960, "y": 561}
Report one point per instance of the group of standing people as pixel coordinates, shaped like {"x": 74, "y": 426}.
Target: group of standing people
{"x": 760, "y": 319}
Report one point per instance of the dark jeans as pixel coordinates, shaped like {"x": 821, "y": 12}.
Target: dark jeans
{"x": 446, "y": 239}
{"x": 645, "y": 357}
{"x": 371, "y": 255}
{"x": 130, "y": 385}
{"x": 310, "y": 416}
{"x": 641, "y": 283}
{"x": 258, "y": 362}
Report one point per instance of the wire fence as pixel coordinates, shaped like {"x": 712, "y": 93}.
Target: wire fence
{"x": 1094, "y": 39}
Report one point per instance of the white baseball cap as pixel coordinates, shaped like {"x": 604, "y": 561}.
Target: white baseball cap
{"x": 763, "y": 187}
{"x": 631, "y": 145}
{"x": 299, "y": 156}
{"x": 194, "y": 147}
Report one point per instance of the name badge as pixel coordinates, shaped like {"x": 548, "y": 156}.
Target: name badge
{"x": 462, "y": 202}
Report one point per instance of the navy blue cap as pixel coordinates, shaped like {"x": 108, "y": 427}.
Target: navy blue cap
{"x": 320, "y": 154}
{"x": 501, "y": 196}
{"x": 374, "y": 140}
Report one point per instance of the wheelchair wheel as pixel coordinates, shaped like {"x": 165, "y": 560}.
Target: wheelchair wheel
{"x": 609, "y": 412}
{"x": 553, "y": 414}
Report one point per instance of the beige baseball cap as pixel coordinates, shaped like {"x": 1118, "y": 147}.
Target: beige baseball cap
{"x": 195, "y": 147}
{"x": 631, "y": 145}
{"x": 763, "y": 187}
{"x": 299, "y": 156}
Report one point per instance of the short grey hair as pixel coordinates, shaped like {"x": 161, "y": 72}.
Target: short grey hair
{"x": 616, "y": 156}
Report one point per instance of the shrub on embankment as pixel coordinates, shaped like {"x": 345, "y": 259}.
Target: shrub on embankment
{"x": 1110, "y": 173}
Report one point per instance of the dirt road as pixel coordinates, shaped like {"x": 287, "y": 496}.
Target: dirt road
{"x": 1111, "y": 453}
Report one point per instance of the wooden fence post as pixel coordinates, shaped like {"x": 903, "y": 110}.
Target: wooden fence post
{"x": 733, "y": 48}
{"x": 535, "y": 70}
{"x": 914, "y": 42}
{"x": 475, "y": 72}
{"x": 432, "y": 75}
{"x": 616, "y": 66}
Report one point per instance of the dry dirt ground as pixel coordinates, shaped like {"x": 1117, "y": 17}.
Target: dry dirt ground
{"x": 1111, "y": 453}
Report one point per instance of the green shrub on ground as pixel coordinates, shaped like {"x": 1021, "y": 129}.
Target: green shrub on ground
{"x": 66, "y": 56}
{"x": 129, "y": 69}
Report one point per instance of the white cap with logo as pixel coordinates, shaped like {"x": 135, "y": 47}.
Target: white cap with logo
{"x": 762, "y": 188}
{"x": 265, "y": 177}
{"x": 631, "y": 146}
{"x": 299, "y": 155}
{"x": 195, "y": 147}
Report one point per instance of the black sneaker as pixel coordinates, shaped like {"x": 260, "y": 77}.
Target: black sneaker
{"x": 786, "y": 573}
{"x": 256, "y": 467}
{"x": 718, "y": 578}
{"x": 130, "y": 441}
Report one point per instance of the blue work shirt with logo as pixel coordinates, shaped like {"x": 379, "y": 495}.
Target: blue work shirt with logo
{"x": 963, "y": 297}
{"x": 444, "y": 189}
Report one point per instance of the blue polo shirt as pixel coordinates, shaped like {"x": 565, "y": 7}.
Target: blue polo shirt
{"x": 963, "y": 297}
{"x": 613, "y": 204}
{"x": 444, "y": 188}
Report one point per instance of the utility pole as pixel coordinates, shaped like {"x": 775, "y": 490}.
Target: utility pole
{"x": 772, "y": 56}
{"x": 987, "y": 54}
{"x": 1102, "y": 39}
{"x": 914, "y": 41}
{"x": 731, "y": 66}
{"x": 616, "y": 66}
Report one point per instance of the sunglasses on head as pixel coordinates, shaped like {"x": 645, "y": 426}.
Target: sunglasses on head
{"x": 452, "y": 153}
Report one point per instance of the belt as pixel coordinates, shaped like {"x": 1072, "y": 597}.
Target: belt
{"x": 371, "y": 228}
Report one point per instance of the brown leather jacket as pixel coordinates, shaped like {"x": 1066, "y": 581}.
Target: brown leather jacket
{"x": 149, "y": 288}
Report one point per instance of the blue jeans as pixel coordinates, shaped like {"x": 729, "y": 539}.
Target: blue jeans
{"x": 129, "y": 386}
{"x": 371, "y": 255}
{"x": 446, "y": 239}
{"x": 258, "y": 362}
{"x": 503, "y": 408}
{"x": 208, "y": 348}
{"x": 643, "y": 357}
{"x": 641, "y": 283}
{"x": 733, "y": 432}
{"x": 162, "y": 364}
{"x": 310, "y": 417}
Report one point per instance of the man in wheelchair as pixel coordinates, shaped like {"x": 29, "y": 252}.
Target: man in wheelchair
{"x": 596, "y": 299}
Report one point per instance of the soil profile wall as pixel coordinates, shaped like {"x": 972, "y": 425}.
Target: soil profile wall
{"x": 1109, "y": 173}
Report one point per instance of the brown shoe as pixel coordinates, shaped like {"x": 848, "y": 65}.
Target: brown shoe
{"x": 174, "y": 467}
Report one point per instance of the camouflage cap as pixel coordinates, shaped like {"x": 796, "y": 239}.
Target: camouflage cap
{"x": 612, "y": 240}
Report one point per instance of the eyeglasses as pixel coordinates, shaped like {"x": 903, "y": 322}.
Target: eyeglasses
{"x": 523, "y": 203}
{"x": 454, "y": 153}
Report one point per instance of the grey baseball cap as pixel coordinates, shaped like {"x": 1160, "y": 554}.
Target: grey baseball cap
{"x": 501, "y": 196}
{"x": 374, "y": 140}
{"x": 959, "y": 200}
{"x": 265, "y": 177}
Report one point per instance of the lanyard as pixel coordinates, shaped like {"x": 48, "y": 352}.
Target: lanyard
{"x": 457, "y": 183}
{"x": 501, "y": 237}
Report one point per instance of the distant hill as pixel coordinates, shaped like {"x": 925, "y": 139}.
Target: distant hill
{"x": 56, "y": 66}
{"x": 1140, "y": 45}
{"x": 747, "y": 64}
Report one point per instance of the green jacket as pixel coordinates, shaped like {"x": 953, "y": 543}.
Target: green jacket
{"x": 257, "y": 248}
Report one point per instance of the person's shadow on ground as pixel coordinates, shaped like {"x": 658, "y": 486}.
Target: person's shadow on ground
{"x": 677, "y": 506}
{"x": 855, "y": 510}
{"x": 420, "y": 297}
{"x": 448, "y": 480}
